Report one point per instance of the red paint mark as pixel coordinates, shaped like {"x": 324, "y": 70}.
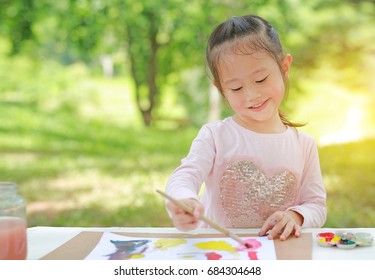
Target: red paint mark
{"x": 327, "y": 235}
{"x": 213, "y": 256}
{"x": 252, "y": 255}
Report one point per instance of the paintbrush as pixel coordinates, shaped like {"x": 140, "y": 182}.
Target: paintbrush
{"x": 208, "y": 221}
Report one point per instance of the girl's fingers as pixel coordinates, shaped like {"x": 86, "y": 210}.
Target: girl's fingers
{"x": 297, "y": 230}
{"x": 183, "y": 220}
{"x": 277, "y": 229}
{"x": 198, "y": 210}
{"x": 173, "y": 209}
{"x": 280, "y": 223}
{"x": 271, "y": 225}
{"x": 268, "y": 225}
{"x": 288, "y": 229}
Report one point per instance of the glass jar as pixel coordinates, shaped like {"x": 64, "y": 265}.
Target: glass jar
{"x": 13, "y": 225}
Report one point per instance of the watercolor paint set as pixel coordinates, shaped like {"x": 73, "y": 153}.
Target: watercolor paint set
{"x": 344, "y": 240}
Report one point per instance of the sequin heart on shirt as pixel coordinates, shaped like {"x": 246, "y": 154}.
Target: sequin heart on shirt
{"x": 248, "y": 196}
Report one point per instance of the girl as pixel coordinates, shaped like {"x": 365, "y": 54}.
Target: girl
{"x": 258, "y": 170}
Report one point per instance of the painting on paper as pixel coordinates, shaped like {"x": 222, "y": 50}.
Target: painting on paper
{"x": 118, "y": 247}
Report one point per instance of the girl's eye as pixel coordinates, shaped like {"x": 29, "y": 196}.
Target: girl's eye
{"x": 262, "y": 80}
{"x": 236, "y": 89}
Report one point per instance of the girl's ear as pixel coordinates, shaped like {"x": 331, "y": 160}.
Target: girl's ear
{"x": 216, "y": 84}
{"x": 286, "y": 63}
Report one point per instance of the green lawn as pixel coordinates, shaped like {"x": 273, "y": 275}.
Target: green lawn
{"x": 91, "y": 173}
{"x": 349, "y": 176}
{"x": 88, "y": 162}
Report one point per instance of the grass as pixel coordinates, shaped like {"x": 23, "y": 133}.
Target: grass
{"x": 348, "y": 172}
{"x": 91, "y": 173}
{"x": 86, "y": 161}
{"x": 77, "y": 172}
{"x": 79, "y": 154}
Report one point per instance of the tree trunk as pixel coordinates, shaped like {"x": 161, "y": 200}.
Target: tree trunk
{"x": 152, "y": 89}
{"x": 152, "y": 73}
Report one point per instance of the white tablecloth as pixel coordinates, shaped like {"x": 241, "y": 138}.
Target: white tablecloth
{"x": 42, "y": 240}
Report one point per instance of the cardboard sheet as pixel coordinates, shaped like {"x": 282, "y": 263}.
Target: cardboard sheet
{"x": 82, "y": 244}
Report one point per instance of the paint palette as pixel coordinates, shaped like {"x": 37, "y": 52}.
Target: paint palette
{"x": 344, "y": 240}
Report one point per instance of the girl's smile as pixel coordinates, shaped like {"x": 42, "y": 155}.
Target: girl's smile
{"x": 259, "y": 107}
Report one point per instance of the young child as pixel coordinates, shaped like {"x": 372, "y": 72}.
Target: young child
{"x": 258, "y": 170}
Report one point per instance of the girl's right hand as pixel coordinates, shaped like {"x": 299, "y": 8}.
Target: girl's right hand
{"x": 183, "y": 220}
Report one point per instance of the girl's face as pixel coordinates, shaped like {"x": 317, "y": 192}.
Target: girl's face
{"x": 254, "y": 87}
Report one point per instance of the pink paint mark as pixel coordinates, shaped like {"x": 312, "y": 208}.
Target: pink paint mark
{"x": 252, "y": 255}
{"x": 213, "y": 256}
{"x": 252, "y": 249}
{"x": 254, "y": 244}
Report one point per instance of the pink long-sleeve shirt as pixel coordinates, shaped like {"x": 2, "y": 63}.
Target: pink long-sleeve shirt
{"x": 246, "y": 176}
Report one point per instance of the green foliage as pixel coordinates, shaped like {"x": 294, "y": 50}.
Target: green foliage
{"x": 46, "y": 85}
{"x": 18, "y": 18}
{"x": 332, "y": 33}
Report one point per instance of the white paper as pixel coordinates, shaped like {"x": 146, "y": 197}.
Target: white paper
{"x": 118, "y": 247}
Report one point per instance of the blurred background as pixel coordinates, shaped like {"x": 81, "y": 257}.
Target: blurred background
{"x": 100, "y": 100}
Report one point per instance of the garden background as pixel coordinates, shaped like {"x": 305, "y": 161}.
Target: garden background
{"x": 100, "y": 100}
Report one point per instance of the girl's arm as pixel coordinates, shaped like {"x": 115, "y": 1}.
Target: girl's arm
{"x": 187, "y": 179}
{"x": 312, "y": 200}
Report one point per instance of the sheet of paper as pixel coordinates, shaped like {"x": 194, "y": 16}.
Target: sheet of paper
{"x": 118, "y": 247}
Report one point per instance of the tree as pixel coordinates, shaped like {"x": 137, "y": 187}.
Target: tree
{"x": 164, "y": 40}
{"x": 143, "y": 48}
{"x": 155, "y": 41}
{"x": 17, "y": 17}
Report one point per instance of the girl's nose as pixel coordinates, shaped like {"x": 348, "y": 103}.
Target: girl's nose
{"x": 252, "y": 94}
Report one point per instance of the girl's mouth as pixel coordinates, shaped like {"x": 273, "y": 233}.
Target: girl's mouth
{"x": 259, "y": 107}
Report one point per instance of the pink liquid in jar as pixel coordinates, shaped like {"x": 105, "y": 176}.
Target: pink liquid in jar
{"x": 13, "y": 243}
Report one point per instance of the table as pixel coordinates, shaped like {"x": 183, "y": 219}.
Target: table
{"x": 42, "y": 240}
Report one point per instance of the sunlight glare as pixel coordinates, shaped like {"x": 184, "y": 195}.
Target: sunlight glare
{"x": 352, "y": 131}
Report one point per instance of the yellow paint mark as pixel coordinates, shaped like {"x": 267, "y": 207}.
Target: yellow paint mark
{"x": 187, "y": 257}
{"x": 215, "y": 245}
{"x": 166, "y": 243}
{"x": 336, "y": 239}
{"x": 137, "y": 256}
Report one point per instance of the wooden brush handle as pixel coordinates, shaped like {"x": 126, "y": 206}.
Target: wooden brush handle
{"x": 208, "y": 221}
